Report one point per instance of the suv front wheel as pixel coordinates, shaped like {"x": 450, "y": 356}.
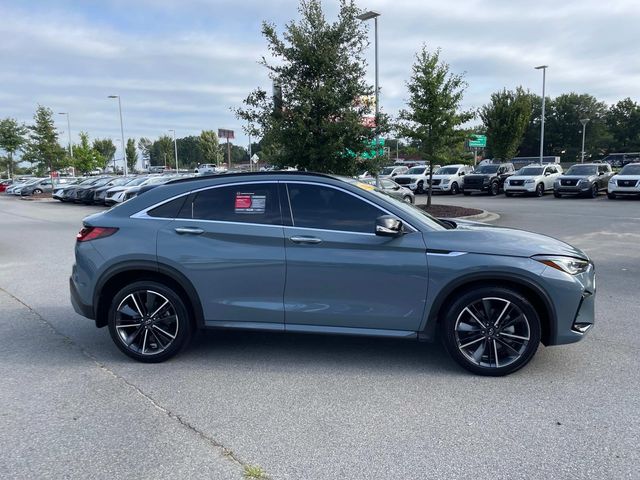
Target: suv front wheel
{"x": 492, "y": 331}
{"x": 148, "y": 321}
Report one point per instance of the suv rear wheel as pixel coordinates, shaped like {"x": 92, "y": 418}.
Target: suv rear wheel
{"x": 148, "y": 321}
{"x": 492, "y": 331}
{"x": 494, "y": 189}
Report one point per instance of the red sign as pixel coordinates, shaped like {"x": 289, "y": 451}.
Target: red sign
{"x": 228, "y": 134}
{"x": 243, "y": 201}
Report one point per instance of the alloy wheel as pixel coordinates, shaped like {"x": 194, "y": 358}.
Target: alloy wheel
{"x": 146, "y": 322}
{"x": 492, "y": 332}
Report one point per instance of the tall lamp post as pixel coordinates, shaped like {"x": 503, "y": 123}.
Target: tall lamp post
{"x": 544, "y": 78}
{"x": 124, "y": 150}
{"x": 69, "y": 130}
{"x": 365, "y": 17}
{"x": 175, "y": 146}
{"x": 584, "y": 122}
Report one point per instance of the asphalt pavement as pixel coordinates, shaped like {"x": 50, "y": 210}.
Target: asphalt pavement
{"x": 314, "y": 407}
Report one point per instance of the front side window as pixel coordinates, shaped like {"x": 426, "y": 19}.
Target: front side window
{"x": 244, "y": 203}
{"x": 316, "y": 206}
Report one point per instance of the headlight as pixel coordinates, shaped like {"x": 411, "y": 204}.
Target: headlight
{"x": 612, "y": 181}
{"x": 445, "y": 181}
{"x": 529, "y": 180}
{"x": 570, "y": 265}
{"x": 583, "y": 181}
{"x": 557, "y": 183}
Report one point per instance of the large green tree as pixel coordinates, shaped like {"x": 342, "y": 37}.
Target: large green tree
{"x": 189, "y": 151}
{"x": 132, "y": 155}
{"x": 623, "y": 122}
{"x": 162, "y": 152}
{"x": 506, "y": 118}
{"x": 12, "y": 139}
{"x": 85, "y": 157}
{"x": 44, "y": 149}
{"x": 107, "y": 150}
{"x": 432, "y": 118}
{"x": 210, "y": 147}
{"x": 315, "y": 116}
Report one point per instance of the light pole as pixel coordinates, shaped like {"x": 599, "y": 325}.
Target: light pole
{"x": 584, "y": 122}
{"x": 175, "y": 146}
{"x": 124, "y": 150}
{"x": 364, "y": 17}
{"x": 69, "y": 130}
{"x": 544, "y": 78}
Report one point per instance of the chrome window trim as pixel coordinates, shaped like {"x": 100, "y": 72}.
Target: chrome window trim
{"x": 143, "y": 214}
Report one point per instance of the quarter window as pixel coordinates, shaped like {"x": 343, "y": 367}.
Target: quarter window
{"x": 245, "y": 203}
{"x": 315, "y": 206}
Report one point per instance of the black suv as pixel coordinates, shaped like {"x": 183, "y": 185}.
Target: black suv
{"x": 487, "y": 178}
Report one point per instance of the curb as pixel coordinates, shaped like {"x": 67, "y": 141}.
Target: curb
{"x": 31, "y": 199}
{"x": 485, "y": 216}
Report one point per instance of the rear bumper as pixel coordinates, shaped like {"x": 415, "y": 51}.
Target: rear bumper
{"x": 80, "y": 307}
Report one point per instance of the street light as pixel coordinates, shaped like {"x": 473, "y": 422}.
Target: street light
{"x": 544, "y": 77}
{"x": 124, "y": 150}
{"x": 175, "y": 145}
{"x": 69, "y": 130}
{"x": 584, "y": 122}
{"x": 364, "y": 17}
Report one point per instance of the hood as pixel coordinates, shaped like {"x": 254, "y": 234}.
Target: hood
{"x": 626, "y": 177}
{"x": 524, "y": 177}
{"x": 473, "y": 237}
{"x": 479, "y": 175}
{"x": 412, "y": 176}
{"x": 444, "y": 177}
{"x": 117, "y": 189}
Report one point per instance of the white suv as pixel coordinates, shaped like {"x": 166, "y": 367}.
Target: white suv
{"x": 532, "y": 179}
{"x": 209, "y": 168}
{"x": 626, "y": 182}
{"x": 393, "y": 171}
{"x": 416, "y": 178}
{"x": 449, "y": 178}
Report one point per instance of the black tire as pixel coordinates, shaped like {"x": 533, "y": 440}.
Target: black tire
{"x": 420, "y": 187}
{"x": 455, "y": 189}
{"x": 37, "y": 191}
{"x": 174, "y": 330}
{"x": 540, "y": 190}
{"x": 594, "y": 191}
{"x": 407, "y": 199}
{"x": 494, "y": 189}
{"x": 466, "y": 194}
{"x": 513, "y": 341}
{"x": 557, "y": 195}
{"x": 611, "y": 196}
{"x": 508, "y": 194}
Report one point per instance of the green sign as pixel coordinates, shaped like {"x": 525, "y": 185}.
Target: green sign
{"x": 478, "y": 141}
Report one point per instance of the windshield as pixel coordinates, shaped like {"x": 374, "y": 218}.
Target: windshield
{"x": 632, "y": 169}
{"x": 530, "y": 171}
{"x": 487, "y": 169}
{"x": 583, "y": 170}
{"x": 155, "y": 180}
{"x": 137, "y": 181}
{"x": 416, "y": 170}
{"x": 102, "y": 181}
{"x": 387, "y": 171}
{"x": 120, "y": 181}
{"x": 447, "y": 171}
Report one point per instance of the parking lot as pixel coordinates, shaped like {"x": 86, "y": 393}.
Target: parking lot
{"x": 314, "y": 407}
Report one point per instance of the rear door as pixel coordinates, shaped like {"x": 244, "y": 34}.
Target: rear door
{"x": 228, "y": 241}
{"x": 339, "y": 273}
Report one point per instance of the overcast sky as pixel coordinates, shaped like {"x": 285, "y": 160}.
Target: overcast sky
{"x": 183, "y": 63}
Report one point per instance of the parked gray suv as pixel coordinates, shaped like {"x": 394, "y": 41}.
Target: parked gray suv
{"x": 299, "y": 252}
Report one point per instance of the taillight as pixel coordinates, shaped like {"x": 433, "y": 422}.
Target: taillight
{"x": 93, "y": 233}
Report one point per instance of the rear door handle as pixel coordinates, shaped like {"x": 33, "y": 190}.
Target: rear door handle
{"x": 305, "y": 239}
{"x": 189, "y": 230}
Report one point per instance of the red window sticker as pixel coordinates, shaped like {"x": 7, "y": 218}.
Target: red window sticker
{"x": 243, "y": 201}
{"x": 250, "y": 203}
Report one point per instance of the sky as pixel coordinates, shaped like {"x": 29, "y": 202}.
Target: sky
{"x": 183, "y": 64}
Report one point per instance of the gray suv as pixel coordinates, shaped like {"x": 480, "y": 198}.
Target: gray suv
{"x": 301, "y": 252}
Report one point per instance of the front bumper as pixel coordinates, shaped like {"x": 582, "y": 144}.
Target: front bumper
{"x": 525, "y": 188}
{"x": 476, "y": 188}
{"x": 623, "y": 190}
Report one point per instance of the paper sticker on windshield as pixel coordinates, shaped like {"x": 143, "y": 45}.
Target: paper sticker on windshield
{"x": 365, "y": 186}
{"x": 250, "y": 203}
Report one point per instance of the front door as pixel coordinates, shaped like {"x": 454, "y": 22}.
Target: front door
{"x": 339, "y": 273}
{"x": 229, "y": 243}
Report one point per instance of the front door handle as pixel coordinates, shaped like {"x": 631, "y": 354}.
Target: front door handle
{"x": 305, "y": 239}
{"x": 189, "y": 230}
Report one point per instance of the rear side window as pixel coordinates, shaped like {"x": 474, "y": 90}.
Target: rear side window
{"x": 246, "y": 203}
{"x": 315, "y": 206}
{"x": 169, "y": 209}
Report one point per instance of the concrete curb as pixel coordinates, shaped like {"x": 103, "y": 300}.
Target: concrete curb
{"x": 485, "y": 216}
{"x": 32, "y": 199}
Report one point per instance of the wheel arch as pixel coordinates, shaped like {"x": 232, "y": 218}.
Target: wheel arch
{"x": 533, "y": 292}
{"x": 118, "y": 275}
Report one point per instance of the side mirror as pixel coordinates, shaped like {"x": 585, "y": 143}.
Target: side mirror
{"x": 394, "y": 174}
{"x": 388, "y": 226}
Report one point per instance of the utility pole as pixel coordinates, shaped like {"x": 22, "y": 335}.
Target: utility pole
{"x": 544, "y": 78}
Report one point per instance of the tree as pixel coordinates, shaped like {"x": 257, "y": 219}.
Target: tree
{"x": 44, "y": 149}
{"x": 506, "y": 118}
{"x": 144, "y": 145}
{"x": 132, "y": 155}
{"x": 210, "y": 147}
{"x": 623, "y": 122}
{"x": 12, "y": 139}
{"x": 316, "y": 115}
{"x": 107, "y": 150}
{"x": 85, "y": 157}
{"x": 433, "y": 118}
{"x": 162, "y": 152}
{"x": 190, "y": 151}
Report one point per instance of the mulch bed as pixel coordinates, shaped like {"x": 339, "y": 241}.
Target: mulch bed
{"x": 449, "y": 211}
{"x": 42, "y": 196}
